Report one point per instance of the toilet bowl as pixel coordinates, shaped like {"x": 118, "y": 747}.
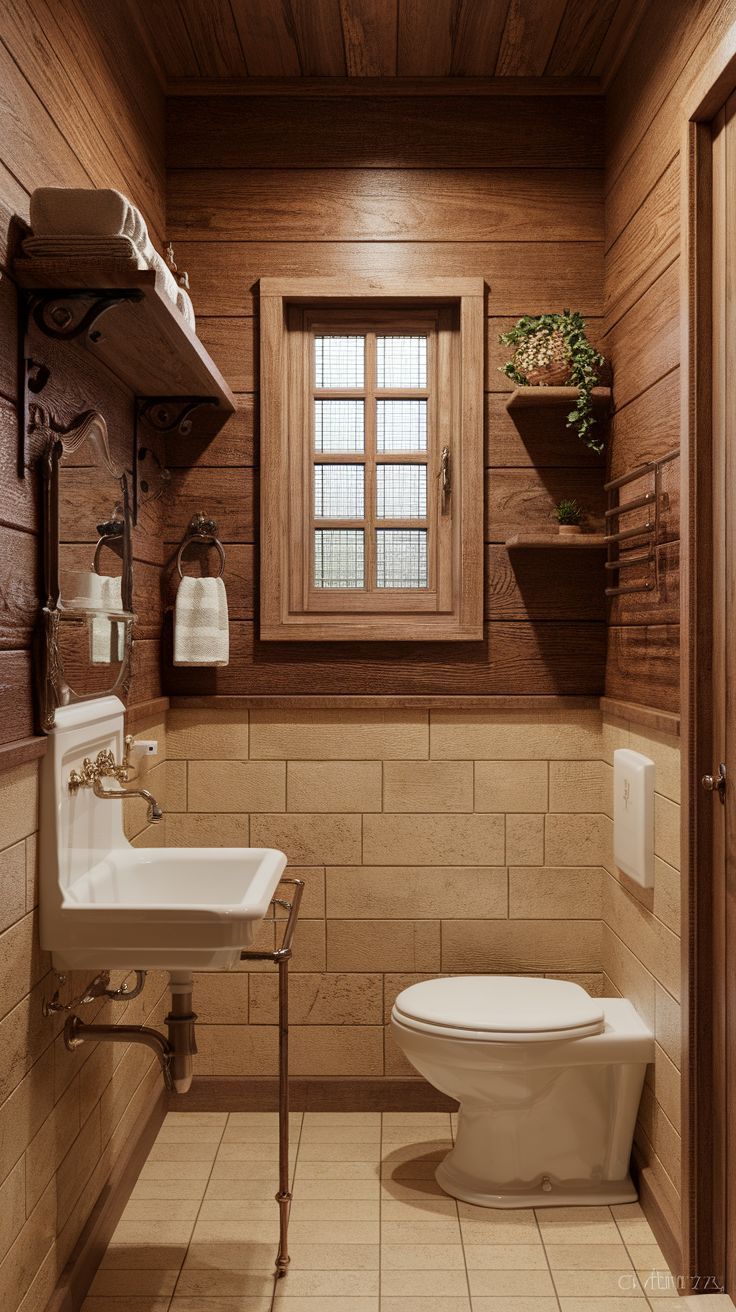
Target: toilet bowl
{"x": 548, "y": 1080}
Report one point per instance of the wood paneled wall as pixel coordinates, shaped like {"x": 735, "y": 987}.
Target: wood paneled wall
{"x": 507, "y": 189}
{"x": 80, "y": 107}
{"x": 642, "y": 311}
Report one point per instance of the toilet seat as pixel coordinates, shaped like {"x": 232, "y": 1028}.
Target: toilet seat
{"x": 499, "y": 1009}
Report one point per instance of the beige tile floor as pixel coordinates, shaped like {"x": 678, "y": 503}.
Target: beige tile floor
{"x": 371, "y": 1231}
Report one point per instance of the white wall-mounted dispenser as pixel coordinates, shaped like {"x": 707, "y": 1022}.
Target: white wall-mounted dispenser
{"x": 633, "y": 815}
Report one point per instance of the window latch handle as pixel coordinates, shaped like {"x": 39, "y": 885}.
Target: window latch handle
{"x": 444, "y": 474}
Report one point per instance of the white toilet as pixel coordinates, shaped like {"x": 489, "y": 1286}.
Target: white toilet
{"x": 548, "y": 1080}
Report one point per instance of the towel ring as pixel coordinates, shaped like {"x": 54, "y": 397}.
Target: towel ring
{"x": 112, "y": 531}
{"x": 201, "y": 530}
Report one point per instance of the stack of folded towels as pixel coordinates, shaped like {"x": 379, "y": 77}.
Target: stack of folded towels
{"x": 82, "y": 223}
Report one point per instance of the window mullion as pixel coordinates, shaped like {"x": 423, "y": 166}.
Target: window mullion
{"x": 370, "y": 461}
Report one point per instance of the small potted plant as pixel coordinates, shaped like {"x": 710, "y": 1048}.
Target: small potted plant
{"x": 552, "y": 350}
{"x": 569, "y": 514}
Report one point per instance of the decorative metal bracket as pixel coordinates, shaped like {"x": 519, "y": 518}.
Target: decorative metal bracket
{"x": 167, "y": 414}
{"x": 62, "y": 315}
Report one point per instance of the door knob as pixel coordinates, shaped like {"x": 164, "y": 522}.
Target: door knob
{"x": 717, "y": 783}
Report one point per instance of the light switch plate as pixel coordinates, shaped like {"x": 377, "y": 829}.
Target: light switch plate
{"x": 633, "y": 815}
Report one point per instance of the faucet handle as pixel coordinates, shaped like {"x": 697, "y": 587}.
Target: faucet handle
{"x": 106, "y": 767}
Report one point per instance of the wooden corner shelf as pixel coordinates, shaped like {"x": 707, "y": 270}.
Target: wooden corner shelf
{"x": 578, "y": 541}
{"x": 143, "y": 339}
{"x": 527, "y": 398}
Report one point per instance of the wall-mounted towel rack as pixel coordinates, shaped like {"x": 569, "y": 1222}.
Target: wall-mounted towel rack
{"x": 646, "y": 535}
{"x": 201, "y": 529}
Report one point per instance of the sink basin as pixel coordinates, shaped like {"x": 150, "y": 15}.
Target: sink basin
{"x": 106, "y": 904}
{"x": 166, "y": 908}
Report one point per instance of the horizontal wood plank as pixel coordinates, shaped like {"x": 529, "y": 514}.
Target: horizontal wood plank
{"x": 445, "y": 132}
{"x": 644, "y": 344}
{"x": 386, "y": 204}
{"x": 529, "y": 586}
{"x": 525, "y": 658}
{"x": 16, "y": 696}
{"x": 643, "y": 665}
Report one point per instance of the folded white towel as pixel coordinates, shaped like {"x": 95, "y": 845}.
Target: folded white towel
{"x": 184, "y": 305}
{"x": 201, "y": 623}
{"x": 98, "y": 212}
{"x": 78, "y": 246}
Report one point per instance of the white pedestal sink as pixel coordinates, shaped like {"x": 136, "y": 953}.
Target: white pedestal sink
{"x": 105, "y": 904}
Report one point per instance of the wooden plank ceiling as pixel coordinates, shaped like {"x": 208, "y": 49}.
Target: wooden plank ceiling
{"x": 236, "y": 39}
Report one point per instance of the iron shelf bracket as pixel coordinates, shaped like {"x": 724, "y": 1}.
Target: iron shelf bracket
{"x": 281, "y": 957}
{"x": 167, "y": 414}
{"x": 62, "y": 314}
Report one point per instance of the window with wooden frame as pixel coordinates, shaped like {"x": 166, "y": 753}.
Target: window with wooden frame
{"x": 371, "y": 460}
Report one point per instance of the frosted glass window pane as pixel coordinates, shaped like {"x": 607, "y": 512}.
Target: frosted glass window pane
{"x": 339, "y": 361}
{"x": 401, "y": 558}
{"x": 338, "y": 558}
{"x": 401, "y": 491}
{"x": 338, "y": 425}
{"x": 401, "y": 425}
{"x": 401, "y": 361}
{"x": 338, "y": 491}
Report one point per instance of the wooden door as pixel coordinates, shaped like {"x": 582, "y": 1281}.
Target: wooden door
{"x": 719, "y": 780}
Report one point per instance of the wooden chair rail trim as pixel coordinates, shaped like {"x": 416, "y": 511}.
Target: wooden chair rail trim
{"x": 22, "y": 751}
{"x": 349, "y": 702}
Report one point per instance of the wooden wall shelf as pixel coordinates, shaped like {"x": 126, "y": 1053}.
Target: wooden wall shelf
{"x": 142, "y": 337}
{"x": 536, "y": 541}
{"x": 527, "y": 398}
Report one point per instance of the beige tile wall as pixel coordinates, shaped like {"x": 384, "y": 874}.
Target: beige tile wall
{"x": 64, "y": 1117}
{"x": 430, "y": 844}
{"x": 641, "y": 951}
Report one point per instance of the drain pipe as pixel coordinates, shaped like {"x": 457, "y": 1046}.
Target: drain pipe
{"x": 76, "y": 1032}
{"x": 180, "y": 1021}
{"x": 175, "y": 1053}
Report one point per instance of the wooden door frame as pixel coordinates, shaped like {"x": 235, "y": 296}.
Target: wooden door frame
{"x": 704, "y": 1095}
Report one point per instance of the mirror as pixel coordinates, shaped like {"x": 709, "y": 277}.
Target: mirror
{"x": 88, "y": 614}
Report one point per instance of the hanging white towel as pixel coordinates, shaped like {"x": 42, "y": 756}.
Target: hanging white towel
{"x": 107, "y": 640}
{"x": 201, "y": 623}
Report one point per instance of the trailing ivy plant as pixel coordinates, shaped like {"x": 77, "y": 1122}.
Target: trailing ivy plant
{"x": 541, "y": 340}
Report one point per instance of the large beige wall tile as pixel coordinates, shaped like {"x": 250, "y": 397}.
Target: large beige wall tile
{"x": 667, "y": 830}
{"x": 629, "y": 976}
{"x": 593, "y": 981}
{"x": 236, "y": 786}
{"x": 644, "y": 934}
{"x": 221, "y": 999}
{"x": 511, "y": 786}
{"x": 79, "y": 1163}
{"x": 429, "y": 840}
{"x": 176, "y": 785}
{"x": 667, "y": 894}
{"x": 380, "y": 945}
{"x": 310, "y": 839}
{"x": 664, "y": 750}
{"x": 18, "y": 803}
{"x": 428, "y": 786}
{"x": 309, "y": 946}
{"x": 339, "y": 735}
{"x": 23, "y": 1259}
{"x": 577, "y": 786}
{"x": 51, "y": 1143}
{"x": 207, "y": 735}
{"x": 423, "y": 893}
{"x": 664, "y": 1078}
{"x": 22, "y": 962}
{"x": 395, "y": 983}
{"x": 319, "y": 999}
{"x": 520, "y": 946}
{"x": 572, "y": 840}
{"x": 313, "y": 896}
{"x": 12, "y": 1208}
{"x": 203, "y": 829}
{"x": 615, "y": 733}
{"x": 501, "y": 736}
{"x": 525, "y": 840}
{"x": 236, "y": 1050}
{"x": 31, "y": 872}
{"x": 336, "y": 1050}
{"x": 333, "y": 786}
{"x": 660, "y": 1132}
{"x": 668, "y": 1025}
{"x": 12, "y": 884}
{"x": 25, "y": 1110}
{"x": 555, "y": 892}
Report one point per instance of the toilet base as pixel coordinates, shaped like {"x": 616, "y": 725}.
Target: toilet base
{"x": 588, "y": 1193}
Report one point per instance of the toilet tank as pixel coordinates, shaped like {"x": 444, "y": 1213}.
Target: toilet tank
{"x": 76, "y": 829}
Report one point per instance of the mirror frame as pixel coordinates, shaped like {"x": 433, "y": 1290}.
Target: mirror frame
{"x": 54, "y": 690}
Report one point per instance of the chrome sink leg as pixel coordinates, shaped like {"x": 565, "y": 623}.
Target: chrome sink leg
{"x": 283, "y": 1196}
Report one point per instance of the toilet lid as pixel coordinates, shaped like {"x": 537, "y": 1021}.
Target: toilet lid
{"x": 501, "y": 1007}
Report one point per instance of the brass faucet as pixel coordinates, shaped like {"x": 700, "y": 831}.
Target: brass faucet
{"x": 105, "y": 766}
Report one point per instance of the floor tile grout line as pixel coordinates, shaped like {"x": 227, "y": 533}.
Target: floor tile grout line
{"x": 546, "y": 1258}
{"x": 225, "y": 1124}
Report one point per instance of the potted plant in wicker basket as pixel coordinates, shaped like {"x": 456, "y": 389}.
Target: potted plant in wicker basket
{"x": 569, "y": 515}
{"x": 552, "y": 350}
